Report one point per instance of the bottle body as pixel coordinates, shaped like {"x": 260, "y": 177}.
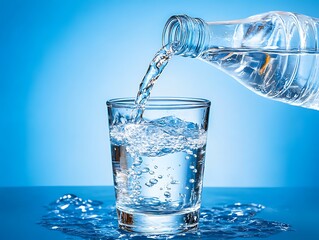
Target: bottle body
{"x": 276, "y": 55}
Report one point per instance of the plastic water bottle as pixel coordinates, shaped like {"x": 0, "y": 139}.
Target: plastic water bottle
{"x": 275, "y": 54}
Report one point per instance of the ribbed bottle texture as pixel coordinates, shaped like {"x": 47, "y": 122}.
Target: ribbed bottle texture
{"x": 276, "y": 54}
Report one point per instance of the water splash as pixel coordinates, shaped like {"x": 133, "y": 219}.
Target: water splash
{"x": 90, "y": 219}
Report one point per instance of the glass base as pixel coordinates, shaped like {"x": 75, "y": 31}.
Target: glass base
{"x": 150, "y": 223}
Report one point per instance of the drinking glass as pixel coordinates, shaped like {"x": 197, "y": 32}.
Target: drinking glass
{"x": 158, "y": 162}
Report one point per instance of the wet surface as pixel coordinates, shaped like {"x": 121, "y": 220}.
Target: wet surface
{"x": 280, "y": 214}
{"x": 91, "y": 219}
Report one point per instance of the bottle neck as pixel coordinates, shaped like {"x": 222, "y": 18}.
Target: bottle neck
{"x": 187, "y": 36}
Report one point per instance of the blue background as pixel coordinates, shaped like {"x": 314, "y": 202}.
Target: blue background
{"x": 61, "y": 60}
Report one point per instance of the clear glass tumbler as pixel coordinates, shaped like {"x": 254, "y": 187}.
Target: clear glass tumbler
{"x": 158, "y": 163}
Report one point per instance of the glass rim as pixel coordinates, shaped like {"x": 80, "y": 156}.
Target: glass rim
{"x": 161, "y": 103}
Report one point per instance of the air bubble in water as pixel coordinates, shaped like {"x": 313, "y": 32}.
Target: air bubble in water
{"x": 145, "y": 170}
{"x": 137, "y": 162}
{"x": 174, "y": 182}
{"x": 153, "y": 181}
{"x": 148, "y": 184}
{"x": 167, "y": 194}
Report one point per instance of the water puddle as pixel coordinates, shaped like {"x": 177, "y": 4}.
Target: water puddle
{"x": 90, "y": 219}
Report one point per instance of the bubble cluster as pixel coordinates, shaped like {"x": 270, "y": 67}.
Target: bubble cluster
{"x": 151, "y": 182}
{"x": 158, "y": 137}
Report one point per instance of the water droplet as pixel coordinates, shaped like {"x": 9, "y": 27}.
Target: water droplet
{"x": 155, "y": 166}
{"x": 160, "y": 176}
{"x": 145, "y": 170}
{"x": 187, "y": 157}
{"x": 148, "y": 184}
{"x": 167, "y": 194}
{"x": 191, "y": 180}
{"x": 153, "y": 181}
{"x": 137, "y": 162}
{"x": 186, "y": 188}
{"x": 174, "y": 181}
{"x": 195, "y": 155}
{"x": 195, "y": 171}
{"x": 151, "y": 172}
{"x": 64, "y": 206}
{"x": 138, "y": 173}
{"x": 191, "y": 167}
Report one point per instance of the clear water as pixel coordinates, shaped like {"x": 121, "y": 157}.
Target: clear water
{"x": 291, "y": 77}
{"x": 90, "y": 219}
{"x": 158, "y": 165}
{"x": 287, "y": 76}
{"x": 153, "y": 72}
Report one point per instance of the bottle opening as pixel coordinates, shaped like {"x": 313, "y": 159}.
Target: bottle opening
{"x": 187, "y": 36}
{"x": 172, "y": 34}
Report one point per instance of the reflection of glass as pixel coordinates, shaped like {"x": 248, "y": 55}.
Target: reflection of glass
{"x": 158, "y": 163}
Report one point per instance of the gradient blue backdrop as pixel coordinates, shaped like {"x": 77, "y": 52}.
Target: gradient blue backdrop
{"x": 61, "y": 60}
